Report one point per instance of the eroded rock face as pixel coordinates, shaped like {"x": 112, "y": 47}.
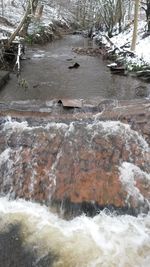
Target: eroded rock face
{"x": 105, "y": 163}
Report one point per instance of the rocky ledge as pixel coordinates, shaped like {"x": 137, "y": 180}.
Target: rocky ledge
{"x": 78, "y": 161}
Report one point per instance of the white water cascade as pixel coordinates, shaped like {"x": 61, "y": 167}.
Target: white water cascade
{"x": 106, "y": 240}
{"x": 103, "y": 241}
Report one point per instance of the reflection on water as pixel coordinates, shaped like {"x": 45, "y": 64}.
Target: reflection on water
{"x": 47, "y": 75}
{"x": 102, "y": 241}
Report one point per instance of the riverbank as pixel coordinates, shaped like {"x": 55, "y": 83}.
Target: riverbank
{"x": 117, "y": 49}
{"x": 47, "y": 16}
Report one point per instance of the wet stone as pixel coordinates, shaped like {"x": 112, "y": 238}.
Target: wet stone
{"x": 79, "y": 161}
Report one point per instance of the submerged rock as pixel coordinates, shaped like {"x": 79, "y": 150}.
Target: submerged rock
{"x": 74, "y": 66}
{"x": 141, "y": 91}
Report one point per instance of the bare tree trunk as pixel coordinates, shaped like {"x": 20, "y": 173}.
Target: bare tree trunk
{"x": 2, "y": 1}
{"x": 148, "y": 15}
{"x": 31, "y": 9}
{"x": 39, "y": 12}
{"x": 14, "y": 34}
{"x": 129, "y": 10}
{"x": 136, "y": 13}
{"x": 119, "y": 14}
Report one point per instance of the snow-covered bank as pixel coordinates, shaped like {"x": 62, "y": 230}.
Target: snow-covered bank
{"x": 13, "y": 11}
{"x": 143, "y": 42}
{"x": 123, "y": 40}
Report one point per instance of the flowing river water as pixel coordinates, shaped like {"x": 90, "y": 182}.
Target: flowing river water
{"x": 47, "y": 76}
{"x": 33, "y": 234}
{"x": 38, "y": 237}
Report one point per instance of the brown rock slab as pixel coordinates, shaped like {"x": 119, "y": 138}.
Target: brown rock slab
{"x": 77, "y": 159}
{"x": 80, "y": 162}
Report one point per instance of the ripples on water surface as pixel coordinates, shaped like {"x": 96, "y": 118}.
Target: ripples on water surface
{"x": 47, "y": 75}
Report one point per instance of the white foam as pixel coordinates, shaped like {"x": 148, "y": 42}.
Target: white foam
{"x": 117, "y": 128}
{"x": 4, "y": 156}
{"x": 129, "y": 174}
{"x": 11, "y": 125}
{"x": 102, "y": 241}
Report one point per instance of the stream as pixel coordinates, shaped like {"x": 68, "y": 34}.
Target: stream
{"x": 68, "y": 154}
{"x": 45, "y": 75}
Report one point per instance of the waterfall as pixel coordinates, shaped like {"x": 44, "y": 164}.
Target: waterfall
{"x": 56, "y": 160}
{"x": 98, "y": 163}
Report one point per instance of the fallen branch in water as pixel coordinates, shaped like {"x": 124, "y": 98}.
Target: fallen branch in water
{"x": 17, "y": 64}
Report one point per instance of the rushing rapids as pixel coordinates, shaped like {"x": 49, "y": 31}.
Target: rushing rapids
{"x": 38, "y": 237}
{"x": 79, "y": 166}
